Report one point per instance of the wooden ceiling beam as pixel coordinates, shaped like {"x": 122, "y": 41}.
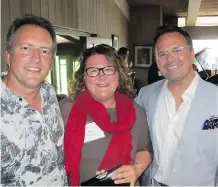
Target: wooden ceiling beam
{"x": 193, "y": 11}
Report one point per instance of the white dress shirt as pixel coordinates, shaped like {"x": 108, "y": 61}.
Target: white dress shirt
{"x": 169, "y": 124}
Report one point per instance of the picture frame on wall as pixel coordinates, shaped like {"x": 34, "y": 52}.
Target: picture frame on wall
{"x": 142, "y": 56}
{"x": 115, "y": 41}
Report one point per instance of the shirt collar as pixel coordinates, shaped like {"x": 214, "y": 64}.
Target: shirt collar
{"x": 4, "y": 88}
{"x": 189, "y": 93}
{"x": 44, "y": 88}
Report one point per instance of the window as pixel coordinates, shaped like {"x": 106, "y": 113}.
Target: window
{"x": 63, "y": 70}
{"x": 57, "y": 75}
{"x": 207, "y": 21}
{"x": 201, "y": 21}
{"x": 76, "y": 65}
{"x": 210, "y": 56}
{"x": 182, "y": 22}
{"x": 61, "y": 75}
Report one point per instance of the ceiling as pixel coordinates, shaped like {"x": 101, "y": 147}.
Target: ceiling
{"x": 209, "y": 8}
{"x": 168, "y": 6}
{"x": 190, "y": 8}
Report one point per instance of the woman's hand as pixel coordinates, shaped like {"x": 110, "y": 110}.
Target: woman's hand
{"x": 125, "y": 174}
{"x": 130, "y": 173}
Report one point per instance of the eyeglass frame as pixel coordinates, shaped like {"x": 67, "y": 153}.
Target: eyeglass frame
{"x": 170, "y": 52}
{"x": 100, "y": 69}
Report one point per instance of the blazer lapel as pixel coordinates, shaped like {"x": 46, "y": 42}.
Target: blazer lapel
{"x": 153, "y": 109}
{"x": 198, "y": 104}
{"x": 194, "y": 118}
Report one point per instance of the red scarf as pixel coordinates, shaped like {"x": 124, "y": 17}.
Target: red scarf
{"x": 120, "y": 146}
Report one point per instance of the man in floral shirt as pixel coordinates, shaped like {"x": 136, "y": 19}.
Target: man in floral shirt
{"x": 31, "y": 125}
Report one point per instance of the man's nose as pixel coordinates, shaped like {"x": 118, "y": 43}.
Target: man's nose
{"x": 170, "y": 56}
{"x": 36, "y": 55}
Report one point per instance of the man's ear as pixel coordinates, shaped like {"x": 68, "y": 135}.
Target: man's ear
{"x": 7, "y": 57}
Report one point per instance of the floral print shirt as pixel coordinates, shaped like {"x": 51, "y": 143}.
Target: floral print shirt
{"x": 31, "y": 142}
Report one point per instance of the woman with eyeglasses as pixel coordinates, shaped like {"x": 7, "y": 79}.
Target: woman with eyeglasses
{"x": 104, "y": 127}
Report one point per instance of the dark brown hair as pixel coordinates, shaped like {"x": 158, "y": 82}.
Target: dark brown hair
{"x": 169, "y": 29}
{"x": 29, "y": 19}
{"x": 125, "y": 83}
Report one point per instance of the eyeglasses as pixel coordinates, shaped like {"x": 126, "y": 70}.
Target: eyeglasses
{"x": 175, "y": 51}
{"x": 94, "y": 72}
